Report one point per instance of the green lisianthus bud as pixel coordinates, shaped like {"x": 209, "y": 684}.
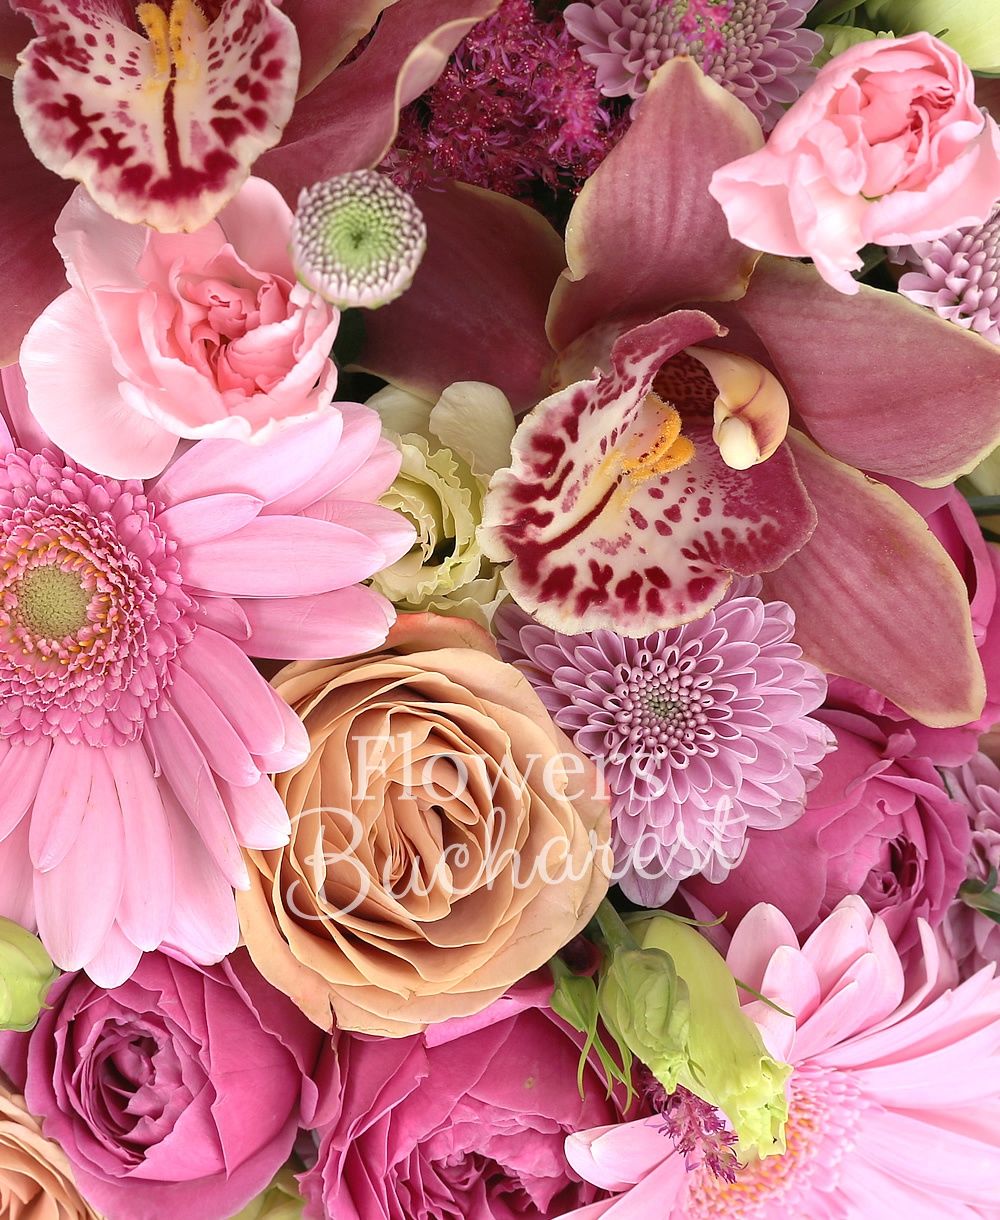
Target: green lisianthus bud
{"x": 725, "y": 1061}
{"x": 26, "y": 973}
{"x": 972, "y": 27}
{"x": 450, "y": 450}
{"x": 645, "y": 1006}
{"x": 281, "y": 1201}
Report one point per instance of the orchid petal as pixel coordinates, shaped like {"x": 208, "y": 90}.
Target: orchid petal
{"x": 606, "y": 528}
{"x": 161, "y": 129}
{"x": 446, "y": 328}
{"x": 644, "y": 234}
{"x": 751, "y": 410}
{"x": 350, "y": 119}
{"x": 33, "y": 199}
{"x": 876, "y": 597}
{"x": 15, "y": 34}
{"x": 328, "y": 31}
{"x": 844, "y": 360}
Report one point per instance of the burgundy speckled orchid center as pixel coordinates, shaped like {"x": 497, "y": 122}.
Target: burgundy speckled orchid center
{"x": 91, "y": 606}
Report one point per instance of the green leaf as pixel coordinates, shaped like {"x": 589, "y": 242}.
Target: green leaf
{"x": 982, "y": 896}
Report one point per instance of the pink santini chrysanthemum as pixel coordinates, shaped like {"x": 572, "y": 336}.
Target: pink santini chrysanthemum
{"x": 701, "y": 731}
{"x": 894, "y": 1101}
{"x": 754, "y": 48}
{"x": 958, "y": 276}
{"x": 135, "y": 733}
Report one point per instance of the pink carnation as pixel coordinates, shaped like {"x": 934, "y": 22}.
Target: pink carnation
{"x": 170, "y": 335}
{"x": 136, "y": 736}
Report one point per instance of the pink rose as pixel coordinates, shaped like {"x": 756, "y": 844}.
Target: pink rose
{"x": 880, "y": 824}
{"x": 169, "y": 335}
{"x": 954, "y": 524}
{"x": 972, "y": 937}
{"x": 887, "y": 146}
{"x": 178, "y": 1093}
{"x": 467, "y": 1120}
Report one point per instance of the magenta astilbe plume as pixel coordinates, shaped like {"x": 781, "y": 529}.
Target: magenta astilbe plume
{"x": 136, "y": 736}
{"x": 757, "y": 49}
{"x": 514, "y": 107}
{"x": 701, "y": 731}
{"x": 958, "y": 276}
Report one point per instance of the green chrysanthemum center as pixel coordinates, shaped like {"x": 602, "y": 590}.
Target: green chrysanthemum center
{"x": 357, "y": 239}
{"x": 52, "y": 602}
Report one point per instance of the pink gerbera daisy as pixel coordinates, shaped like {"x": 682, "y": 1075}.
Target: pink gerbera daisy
{"x": 135, "y": 733}
{"x": 894, "y": 1101}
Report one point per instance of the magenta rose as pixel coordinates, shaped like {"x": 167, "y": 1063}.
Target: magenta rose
{"x": 466, "y": 1121}
{"x": 973, "y": 937}
{"x": 880, "y": 824}
{"x": 954, "y": 524}
{"x": 886, "y": 146}
{"x": 178, "y": 1093}
{"x": 169, "y": 335}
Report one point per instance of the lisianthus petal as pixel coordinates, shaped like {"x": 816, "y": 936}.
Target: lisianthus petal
{"x": 596, "y": 542}
{"x": 162, "y": 128}
{"x": 841, "y": 359}
{"x": 339, "y": 623}
{"x": 328, "y": 31}
{"x": 74, "y": 912}
{"x": 32, "y": 200}
{"x": 253, "y": 561}
{"x": 74, "y": 395}
{"x": 148, "y": 890}
{"x": 445, "y": 327}
{"x": 655, "y": 181}
{"x": 876, "y": 597}
{"x": 350, "y": 119}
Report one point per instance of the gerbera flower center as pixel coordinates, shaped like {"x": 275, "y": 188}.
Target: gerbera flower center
{"x": 52, "y": 602}
{"x": 824, "y": 1112}
{"x": 92, "y": 611}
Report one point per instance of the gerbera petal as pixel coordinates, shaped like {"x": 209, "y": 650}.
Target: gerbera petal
{"x": 597, "y": 537}
{"x": 74, "y": 913}
{"x": 941, "y": 1162}
{"x": 840, "y": 358}
{"x": 148, "y": 891}
{"x": 350, "y": 119}
{"x": 210, "y": 517}
{"x": 21, "y": 771}
{"x": 876, "y": 597}
{"x": 445, "y": 328}
{"x": 655, "y": 181}
{"x": 162, "y": 128}
{"x": 258, "y": 813}
{"x": 33, "y": 198}
{"x": 74, "y": 395}
{"x": 340, "y": 623}
{"x": 60, "y": 804}
{"x": 115, "y": 961}
{"x": 204, "y": 924}
{"x": 224, "y": 749}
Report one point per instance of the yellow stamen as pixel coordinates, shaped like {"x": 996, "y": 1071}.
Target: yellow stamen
{"x": 666, "y": 451}
{"x": 170, "y": 37}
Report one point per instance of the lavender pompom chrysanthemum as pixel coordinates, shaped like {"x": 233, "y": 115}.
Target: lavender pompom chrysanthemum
{"x": 754, "y": 48}
{"x": 701, "y": 731}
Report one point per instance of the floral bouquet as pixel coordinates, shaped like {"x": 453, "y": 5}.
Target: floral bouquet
{"x": 500, "y": 610}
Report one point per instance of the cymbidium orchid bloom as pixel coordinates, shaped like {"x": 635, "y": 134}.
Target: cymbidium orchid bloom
{"x": 161, "y": 108}
{"x": 722, "y": 439}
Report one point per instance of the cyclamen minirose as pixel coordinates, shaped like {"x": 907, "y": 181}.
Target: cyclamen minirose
{"x": 170, "y": 335}
{"x": 178, "y": 1093}
{"x": 886, "y": 146}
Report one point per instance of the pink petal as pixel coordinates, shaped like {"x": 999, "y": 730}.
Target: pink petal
{"x": 339, "y": 623}
{"x": 445, "y": 327}
{"x": 757, "y": 938}
{"x": 32, "y": 200}
{"x": 943, "y": 1163}
{"x": 350, "y": 119}
{"x": 644, "y": 235}
{"x": 592, "y": 545}
{"x": 254, "y": 561}
{"x": 240, "y": 689}
{"x": 294, "y": 748}
{"x": 840, "y": 359}
{"x": 186, "y": 771}
{"x": 22, "y": 425}
{"x": 62, "y": 800}
{"x": 913, "y": 640}
{"x": 208, "y": 518}
{"x": 388, "y": 530}
{"x": 21, "y": 772}
{"x": 269, "y": 470}
{"x": 147, "y": 901}
{"x": 258, "y": 813}
{"x": 257, "y": 222}
{"x": 204, "y": 925}
{"x": 74, "y": 913}
{"x": 614, "y": 1158}
{"x": 73, "y": 392}
{"x": 223, "y": 748}
{"x": 115, "y": 961}
{"x": 156, "y": 139}
{"x": 17, "y": 899}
